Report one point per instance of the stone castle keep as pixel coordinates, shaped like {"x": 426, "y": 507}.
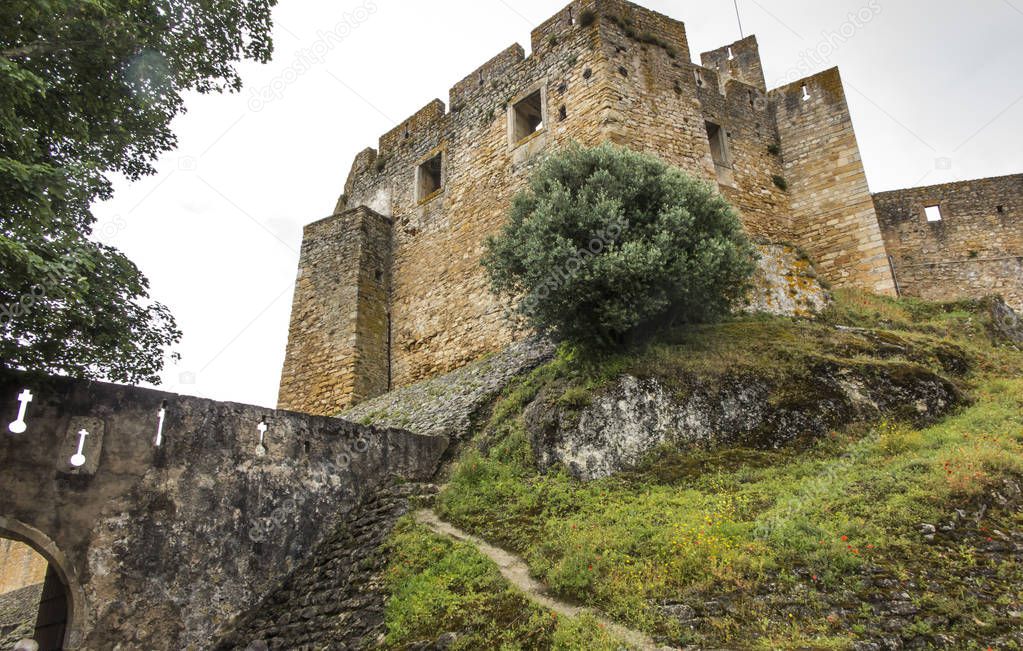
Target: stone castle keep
{"x": 390, "y": 290}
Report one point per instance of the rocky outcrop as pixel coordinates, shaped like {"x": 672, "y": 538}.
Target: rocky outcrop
{"x": 632, "y": 417}
{"x": 1005, "y": 322}
{"x": 786, "y": 284}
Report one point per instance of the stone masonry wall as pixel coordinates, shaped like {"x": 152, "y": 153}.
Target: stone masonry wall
{"x": 338, "y": 339}
{"x": 975, "y": 250}
{"x": 20, "y": 566}
{"x": 740, "y": 60}
{"x": 163, "y": 547}
{"x": 833, "y": 212}
{"x": 605, "y": 70}
{"x": 336, "y": 598}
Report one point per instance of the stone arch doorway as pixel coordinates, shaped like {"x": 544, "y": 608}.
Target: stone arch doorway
{"x": 59, "y": 624}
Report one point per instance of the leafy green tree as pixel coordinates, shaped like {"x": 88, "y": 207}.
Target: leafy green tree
{"x": 608, "y": 245}
{"x": 88, "y": 88}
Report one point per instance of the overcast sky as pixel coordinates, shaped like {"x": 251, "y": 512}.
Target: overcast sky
{"x": 935, "y": 91}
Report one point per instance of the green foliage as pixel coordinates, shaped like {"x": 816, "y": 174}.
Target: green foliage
{"x": 437, "y": 585}
{"x": 587, "y": 18}
{"x": 609, "y": 245}
{"x": 89, "y": 89}
{"x": 780, "y": 182}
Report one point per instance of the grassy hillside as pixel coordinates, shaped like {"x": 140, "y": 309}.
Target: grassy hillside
{"x": 884, "y": 532}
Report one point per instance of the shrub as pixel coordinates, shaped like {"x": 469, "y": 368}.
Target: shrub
{"x": 608, "y": 245}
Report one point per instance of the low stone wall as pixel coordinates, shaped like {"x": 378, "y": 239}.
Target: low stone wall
{"x": 163, "y": 547}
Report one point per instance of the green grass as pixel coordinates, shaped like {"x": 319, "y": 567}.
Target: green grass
{"x": 733, "y": 519}
{"x": 438, "y": 586}
{"x": 760, "y": 531}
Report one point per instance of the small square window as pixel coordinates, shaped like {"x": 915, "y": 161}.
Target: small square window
{"x": 429, "y": 177}
{"x": 933, "y": 214}
{"x": 527, "y": 117}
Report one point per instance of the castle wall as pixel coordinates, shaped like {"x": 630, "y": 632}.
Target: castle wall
{"x": 663, "y": 104}
{"x": 754, "y": 161}
{"x": 163, "y": 547}
{"x": 605, "y": 70}
{"x": 975, "y": 250}
{"x": 832, "y": 209}
{"x": 443, "y": 314}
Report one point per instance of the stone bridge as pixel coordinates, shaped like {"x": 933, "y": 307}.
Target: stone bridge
{"x": 164, "y": 518}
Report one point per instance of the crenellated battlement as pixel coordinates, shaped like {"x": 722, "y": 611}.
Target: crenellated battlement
{"x": 424, "y": 121}
{"x": 488, "y": 73}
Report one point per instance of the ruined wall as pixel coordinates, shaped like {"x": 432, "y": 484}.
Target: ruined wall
{"x": 338, "y": 339}
{"x": 833, "y": 212}
{"x": 162, "y": 547}
{"x": 606, "y": 70}
{"x": 975, "y": 250}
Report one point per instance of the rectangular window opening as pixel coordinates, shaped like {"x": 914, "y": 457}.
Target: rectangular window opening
{"x": 429, "y": 177}
{"x": 527, "y": 117}
{"x": 933, "y": 214}
{"x": 718, "y": 145}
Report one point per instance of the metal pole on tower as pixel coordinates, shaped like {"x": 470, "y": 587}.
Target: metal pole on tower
{"x": 739, "y": 18}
